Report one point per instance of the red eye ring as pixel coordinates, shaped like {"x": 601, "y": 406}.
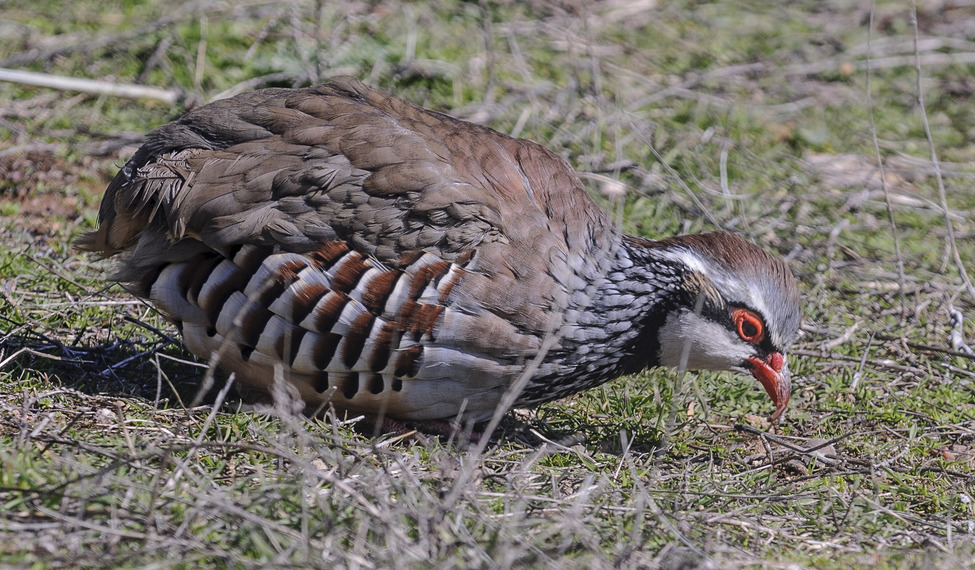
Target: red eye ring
{"x": 749, "y": 325}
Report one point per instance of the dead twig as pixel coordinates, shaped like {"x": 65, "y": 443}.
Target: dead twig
{"x": 955, "y": 337}
{"x": 942, "y": 195}
{"x": 883, "y": 181}
{"x": 60, "y": 82}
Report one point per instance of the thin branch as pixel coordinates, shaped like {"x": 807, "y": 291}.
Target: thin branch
{"x": 883, "y": 173}
{"x": 942, "y": 196}
{"x": 168, "y": 96}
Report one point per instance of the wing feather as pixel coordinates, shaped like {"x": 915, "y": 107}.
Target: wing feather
{"x": 295, "y": 168}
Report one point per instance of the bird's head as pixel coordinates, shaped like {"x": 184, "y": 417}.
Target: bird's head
{"x": 738, "y": 310}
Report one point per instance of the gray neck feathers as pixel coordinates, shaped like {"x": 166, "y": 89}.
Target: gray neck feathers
{"x": 615, "y": 333}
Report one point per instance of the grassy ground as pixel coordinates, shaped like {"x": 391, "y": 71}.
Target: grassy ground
{"x": 797, "y": 124}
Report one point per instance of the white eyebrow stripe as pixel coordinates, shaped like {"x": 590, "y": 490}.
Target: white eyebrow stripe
{"x": 732, "y": 287}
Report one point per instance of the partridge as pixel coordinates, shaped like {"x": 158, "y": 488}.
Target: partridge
{"x": 366, "y": 254}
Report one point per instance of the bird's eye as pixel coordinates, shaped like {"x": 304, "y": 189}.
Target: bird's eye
{"x": 750, "y": 326}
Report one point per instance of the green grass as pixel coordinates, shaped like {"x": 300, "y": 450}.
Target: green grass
{"x": 760, "y": 113}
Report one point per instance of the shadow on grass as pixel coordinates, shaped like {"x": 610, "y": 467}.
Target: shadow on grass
{"x": 154, "y": 369}
{"x": 157, "y": 369}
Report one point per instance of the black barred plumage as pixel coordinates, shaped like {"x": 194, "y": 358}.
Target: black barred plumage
{"x": 387, "y": 260}
{"x": 331, "y": 314}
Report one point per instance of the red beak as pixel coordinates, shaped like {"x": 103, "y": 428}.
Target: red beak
{"x": 774, "y": 376}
